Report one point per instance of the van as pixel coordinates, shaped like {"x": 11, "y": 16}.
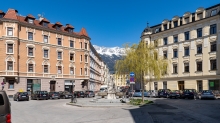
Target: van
{"x": 5, "y": 108}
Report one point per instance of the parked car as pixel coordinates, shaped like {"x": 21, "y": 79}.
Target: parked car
{"x": 176, "y": 94}
{"x": 21, "y": 96}
{"x": 153, "y": 93}
{"x": 207, "y": 94}
{"x": 189, "y": 93}
{"x": 79, "y": 94}
{"x": 89, "y": 94}
{"x": 217, "y": 93}
{"x": 138, "y": 93}
{"x": 65, "y": 94}
{"x": 5, "y": 108}
{"x": 163, "y": 93}
{"x": 53, "y": 95}
{"x": 39, "y": 95}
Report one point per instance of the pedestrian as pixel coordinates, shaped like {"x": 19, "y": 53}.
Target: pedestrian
{"x": 3, "y": 85}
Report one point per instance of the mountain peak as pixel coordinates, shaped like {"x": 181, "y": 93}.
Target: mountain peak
{"x": 110, "y": 50}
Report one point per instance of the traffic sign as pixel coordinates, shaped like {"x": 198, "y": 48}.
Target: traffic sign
{"x": 131, "y": 74}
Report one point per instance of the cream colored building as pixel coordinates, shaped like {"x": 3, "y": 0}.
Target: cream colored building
{"x": 191, "y": 45}
{"x": 120, "y": 80}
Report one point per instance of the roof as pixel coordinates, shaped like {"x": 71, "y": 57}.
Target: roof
{"x": 1, "y": 12}
{"x": 83, "y": 32}
{"x": 30, "y": 16}
{"x": 11, "y": 14}
{"x": 69, "y": 26}
{"x": 45, "y": 20}
{"x": 58, "y": 23}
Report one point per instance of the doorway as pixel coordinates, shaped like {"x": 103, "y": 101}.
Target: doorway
{"x": 52, "y": 86}
{"x": 199, "y": 85}
{"x": 181, "y": 85}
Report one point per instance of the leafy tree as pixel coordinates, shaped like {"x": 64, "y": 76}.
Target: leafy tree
{"x": 143, "y": 60}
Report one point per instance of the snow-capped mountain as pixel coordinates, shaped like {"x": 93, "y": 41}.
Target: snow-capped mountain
{"x": 110, "y": 55}
{"x": 110, "y": 50}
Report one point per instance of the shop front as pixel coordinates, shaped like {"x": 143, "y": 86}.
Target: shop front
{"x": 33, "y": 85}
{"x": 69, "y": 85}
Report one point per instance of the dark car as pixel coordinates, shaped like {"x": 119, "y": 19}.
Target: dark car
{"x": 39, "y": 95}
{"x": 176, "y": 94}
{"x": 65, "y": 94}
{"x": 79, "y": 94}
{"x": 189, "y": 93}
{"x": 89, "y": 94}
{"x": 21, "y": 96}
{"x": 164, "y": 93}
{"x": 5, "y": 108}
{"x": 207, "y": 94}
{"x": 54, "y": 95}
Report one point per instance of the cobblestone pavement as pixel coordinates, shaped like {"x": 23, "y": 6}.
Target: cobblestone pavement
{"x": 162, "y": 111}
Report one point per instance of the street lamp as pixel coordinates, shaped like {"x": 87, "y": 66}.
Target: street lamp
{"x": 72, "y": 91}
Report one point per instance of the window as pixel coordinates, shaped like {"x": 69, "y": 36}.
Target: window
{"x": 11, "y": 84}
{"x": 213, "y": 65}
{"x": 186, "y": 35}
{"x": 59, "y": 69}
{"x": 85, "y": 45}
{"x": 86, "y": 58}
{"x": 199, "y": 49}
{"x": 186, "y": 51}
{"x": 71, "y": 44}
{"x": 9, "y": 31}
{"x": 45, "y": 39}
{"x": 9, "y": 65}
{"x": 70, "y": 30}
{"x": 45, "y": 53}
{"x": 85, "y": 71}
{"x": 165, "y": 41}
{"x": 165, "y": 26}
{"x": 199, "y": 66}
{"x": 45, "y": 24}
{"x": 1, "y": 16}
{"x": 30, "y": 51}
{"x": 213, "y": 12}
{"x": 156, "y": 43}
{"x": 175, "y": 24}
{"x": 175, "y": 38}
{"x": 186, "y": 67}
{"x": 199, "y": 16}
{"x": 30, "y": 20}
{"x": 199, "y": 32}
{"x": 186, "y": 20}
{"x": 57, "y": 27}
{"x": 213, "y": 29}
{"x": 30, "y": 35}
{"x": 59, "y": 55}
{"x": 46, "y": 69}
{"x": 165, "y": 54}
{"x": 71, "y": 70}
{"x": 30, "y": 68}
{"x": 213, "y": 46}
{"x": 175, "y": 68}
{"x": 81, "y": 58}
{"x": 165, "y": 85}
{"x": 59, "y": 42}
{"x": 80, "y": 71}
{"x": 175, "y": 53}
{"x": 9, "y": 48}
{"x": 156, "y": 30}
{"x": 81, "y": 45}
{"x": 71, "y": 57}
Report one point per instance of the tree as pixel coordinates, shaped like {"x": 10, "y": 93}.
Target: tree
{"x": 143, "y": 60}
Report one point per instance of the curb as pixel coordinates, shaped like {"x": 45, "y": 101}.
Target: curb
{"x": 101, "y": 106}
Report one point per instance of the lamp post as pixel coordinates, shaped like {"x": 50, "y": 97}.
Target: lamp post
{"x": 72, "y": 91}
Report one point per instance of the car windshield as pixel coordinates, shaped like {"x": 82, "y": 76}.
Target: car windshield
{"x": 1, "y": 100}
{"x": 188, "y": 90}
{"x": 24, "y": 93}
{"x": 207, "y": 91}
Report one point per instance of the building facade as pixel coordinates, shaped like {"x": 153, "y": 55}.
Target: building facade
{"x": 39, "y": 55}
{"x": 95, "y": 80}
{"x": 191, "y": 44}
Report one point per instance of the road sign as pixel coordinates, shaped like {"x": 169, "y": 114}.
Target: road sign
{"x": 131, "y": 74}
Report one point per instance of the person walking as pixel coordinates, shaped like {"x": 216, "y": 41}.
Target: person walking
{"x": 3, "y": 85}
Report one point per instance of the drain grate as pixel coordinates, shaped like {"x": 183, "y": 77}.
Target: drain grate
{"x": 165, "y": 106}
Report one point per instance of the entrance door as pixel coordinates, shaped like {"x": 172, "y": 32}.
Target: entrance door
{"x": 199, "y": 85}
{"x": 181, "y": 85}
{"x": 52, "y": 86}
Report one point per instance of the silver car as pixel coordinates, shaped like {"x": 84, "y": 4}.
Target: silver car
{"x": 153, "y": 93}
{"x": 207, "y": 94}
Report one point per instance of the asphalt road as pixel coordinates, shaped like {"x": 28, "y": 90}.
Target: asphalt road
{"x": 162, "y": 111}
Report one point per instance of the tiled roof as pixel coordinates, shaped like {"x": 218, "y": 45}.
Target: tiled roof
{"x": 69, "y": 26}
{"x": 30, "y": 16}
{"x": 11, "y": 14}
{"x": 45, "y": 20}
{"x": 83, "y": 32}
{"x": 1, "y": 12}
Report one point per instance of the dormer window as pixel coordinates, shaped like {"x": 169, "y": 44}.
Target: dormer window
{"x": 45, "y": 24}
{"x": 175, "y": 24}
{"x": 70, "y": 30}
{"x": 157, "y": 30}
{"x": 1, "y": 16}
{"x": 31, "y": 21}
{"x": 199, "y": 16}
{"x": 57, "y": 27}
{"x": 165, "y": 26}
{"x": 214, "y": 12}
{"x": 186, "y": 20}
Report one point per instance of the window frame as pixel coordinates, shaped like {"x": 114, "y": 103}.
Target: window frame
{"x": 11, "y": 83}
{"x": 30, "y": 66}
{"x": 175, "y": 70}
{"x": 8, "y": 47}
{"x": 72, "y": 42}
{"x": 59, "y": 69}
{"x": 29, "y": 51}
{"x": 86, "y": 58}
{"x": 73, "y": 73}
{"x": 31, "y": 21}
{"x": 175, "y": 24}
{"x": 47, "y": 53}
{"x": 86, "y": 47}
{"x": 213, "y": 64}
{"x": 73, "y": 59}
{"x": 59, "y": 41}
{"x": 61, "y": 54}
{"x": 199, "y": 32}
{"x": 213, "y": 29}
{"x": 187, "y": 35}
{"x": 197, "y": 66}
{"x": 185, "y": 49}
{"x": 211, "y": 14}
{"x": 46, "y": 38}
{"x": 199, "y": 45}
{"x": 175, "y": 50}
{"x": 165, "y": 41}
{"x": 186, "y": 67}
{"x": 165, "y": 52}
{"x": 165, "y": 27}
{"x": 9, "y": 29}
{"x": 8, "y": 66}
{"x": 30, "y": 36}
{"x": 46, "y": 69}
{"x": 175, "y": 37}
{"x": 213, "y": 46}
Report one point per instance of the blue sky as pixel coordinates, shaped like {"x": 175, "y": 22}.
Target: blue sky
{"x": 108, "y": 22}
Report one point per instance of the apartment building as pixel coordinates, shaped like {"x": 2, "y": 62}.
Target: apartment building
{"x": 96, "y": 62}
{"x": 39, "y": 55}
{"x": 191, "y": 44}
